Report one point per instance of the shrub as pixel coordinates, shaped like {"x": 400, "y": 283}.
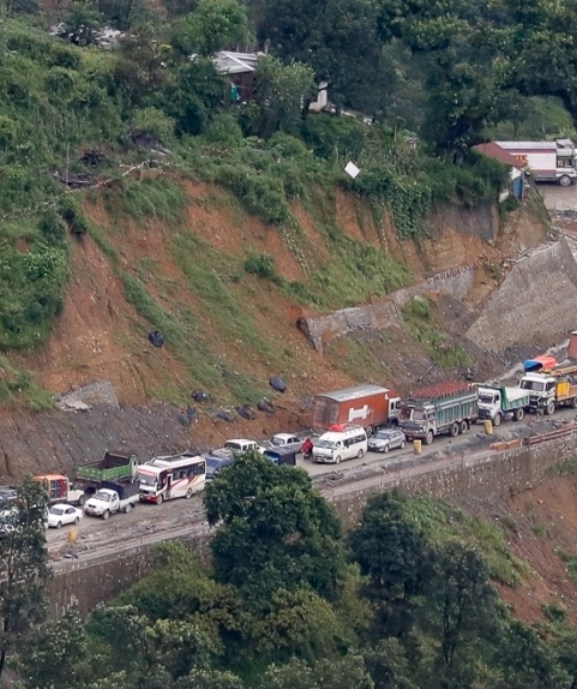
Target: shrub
{"x": 259, "y": 265}
{"x": 262, "y": 195}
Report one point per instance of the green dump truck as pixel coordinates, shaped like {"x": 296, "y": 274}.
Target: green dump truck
{"x": 113, "y": 467}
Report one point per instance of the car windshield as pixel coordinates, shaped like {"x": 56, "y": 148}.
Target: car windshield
{"x": 383, "y": 435}
{"x": 213, "y": 463}
{"x": 326, "y": 444}
{"x": 147, "y": 479}
{"x": 486, "y": 397}
{"x": 276, "y": 440}
{"x": 233, "y": 446}
{"x": 56, "y": 510}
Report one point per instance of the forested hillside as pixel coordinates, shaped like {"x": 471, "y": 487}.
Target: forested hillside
{"x": 408, "y": 598}
{"x": 142, "y": 194}
{"x": 101, "y": 135}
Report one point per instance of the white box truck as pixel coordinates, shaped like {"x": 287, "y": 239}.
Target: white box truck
{"x": 547, "y": 161}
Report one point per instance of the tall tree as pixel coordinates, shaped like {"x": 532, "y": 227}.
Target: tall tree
{"x": 275, "y": 531}
{"x": 392, "y": 550}
{"x": 281, "y": 91}
{"x": 24, "y": 570}
{"x": 56, "y": 653}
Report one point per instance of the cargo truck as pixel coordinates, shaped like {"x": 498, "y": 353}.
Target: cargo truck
{"x": 450, "y": 407}
{"x": 113, "y": 467}
{"x": 496, "y": 403}
{"x": 89, "y": 478}
{"x": 113, "y": 497}
{"x": 548, "y": 161}
{"x": 551, "y": 389}
{"x": 370, "y": 406}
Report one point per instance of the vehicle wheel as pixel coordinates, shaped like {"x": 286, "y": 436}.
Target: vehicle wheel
{"x": 403, "y": 445}
{"x": 497, "y": 420}
{"x": 159, "y": 500}
{"x": 188, "y": 494}
{"x": 338, "y": 460}
{"x": 128, "y": 508}
{"x": 454, "y": 431}
{"x": 464, "y": 426}
{"x": 386, "y": 449}
{"x": 519, "y": 414}
{"x": 574, "y": 402}
{"x": 77, "y": 520}
{"x": 106, "y": 515}
{"x": 550, "y": 408}
{"x": 429, "y": 438}
{"x": 565, "y": 181}
{"x": 82, "y": 500}
{"x": 360, "y": 453}
{"x": 58, "y": 525}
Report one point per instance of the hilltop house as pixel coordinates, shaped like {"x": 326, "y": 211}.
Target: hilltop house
{"x": 516, "y": 186}
{"x": 240, "y": 69}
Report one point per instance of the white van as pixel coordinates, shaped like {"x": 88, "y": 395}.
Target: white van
{"x": 334, "y": 446}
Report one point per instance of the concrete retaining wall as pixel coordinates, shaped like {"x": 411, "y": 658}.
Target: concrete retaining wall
{"x": 487, "y": 475}
{"x": 525, "y": 309}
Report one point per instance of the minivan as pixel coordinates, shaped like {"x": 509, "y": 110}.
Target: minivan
{"x": 335, "y": 446}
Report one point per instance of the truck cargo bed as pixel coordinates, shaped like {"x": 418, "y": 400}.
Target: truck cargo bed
{"x": 113, "y": 467}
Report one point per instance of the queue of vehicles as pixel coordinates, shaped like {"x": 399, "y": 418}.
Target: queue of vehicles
{"x": 347, "y": 423}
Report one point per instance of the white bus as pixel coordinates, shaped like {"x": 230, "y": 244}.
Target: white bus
{"x": 174, "y": 476}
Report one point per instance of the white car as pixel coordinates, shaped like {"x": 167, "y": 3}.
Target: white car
{"x": 62, "y": 514}
{"x": 235, "y": 447}
{"x": 287, "y": 440}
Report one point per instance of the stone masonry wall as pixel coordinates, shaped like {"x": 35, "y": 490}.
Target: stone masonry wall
{"x": 384, "y": 313}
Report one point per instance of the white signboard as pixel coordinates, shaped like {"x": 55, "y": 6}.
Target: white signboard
{"x": 351, "y": 169}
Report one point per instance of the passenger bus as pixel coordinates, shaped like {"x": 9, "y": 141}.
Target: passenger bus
{"x": 168, "y": 477}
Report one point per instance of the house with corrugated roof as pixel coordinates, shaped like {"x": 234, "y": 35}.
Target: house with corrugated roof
{"x": 516, "y": 185}
{"x": 240, "y": 69}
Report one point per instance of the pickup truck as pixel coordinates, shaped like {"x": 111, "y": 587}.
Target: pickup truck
{"x": 112, "y": 498}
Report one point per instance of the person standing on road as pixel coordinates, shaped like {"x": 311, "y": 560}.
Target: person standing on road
{"x": 307, "y": 448}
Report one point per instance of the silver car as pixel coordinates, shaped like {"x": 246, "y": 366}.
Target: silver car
{"x": 387, "y": 440}
{"x": 287, "y": 440}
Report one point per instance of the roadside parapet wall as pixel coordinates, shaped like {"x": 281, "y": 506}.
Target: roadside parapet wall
{"x": 488, "y": 474}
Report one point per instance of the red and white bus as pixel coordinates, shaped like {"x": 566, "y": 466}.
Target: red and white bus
{"x": 173, "y": 476}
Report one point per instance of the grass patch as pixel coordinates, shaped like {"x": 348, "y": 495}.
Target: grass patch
{"x": 151, "y": 197}
{"x": 355, "y": 357}
{"x": 18, "y": 390}
{"x": 210, "y": 278}
{"x": 443, "y": 523}
{"x": 355, "y": 272}
{"x": 568, "y": 467}
{"x": 422, "y": 324}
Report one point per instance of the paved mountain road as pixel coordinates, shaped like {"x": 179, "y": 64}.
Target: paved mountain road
{"x": 150, "y": 523}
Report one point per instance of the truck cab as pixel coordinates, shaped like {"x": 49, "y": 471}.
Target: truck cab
{"x": 541, "y": 390}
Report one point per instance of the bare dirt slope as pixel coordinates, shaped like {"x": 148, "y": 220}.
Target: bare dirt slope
{"x": 540, "y": 530}
{"x": 101, "y": 336}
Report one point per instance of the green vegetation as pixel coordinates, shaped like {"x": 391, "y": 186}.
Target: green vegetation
{"x": 17, "y": 389}
{"x": 411, "y": 91}
{"x": 405, "y": 599}
{"x": 421, "y": 321}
